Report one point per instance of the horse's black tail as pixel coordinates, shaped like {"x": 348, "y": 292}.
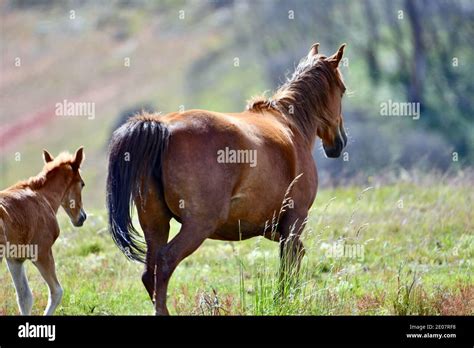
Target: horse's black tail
{"x": 135, "y": 156}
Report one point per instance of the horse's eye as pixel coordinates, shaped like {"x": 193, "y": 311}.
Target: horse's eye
{"x": 83, "y": 184}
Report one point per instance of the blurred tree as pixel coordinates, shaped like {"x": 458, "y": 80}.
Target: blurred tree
{"x": 418, "y": 51}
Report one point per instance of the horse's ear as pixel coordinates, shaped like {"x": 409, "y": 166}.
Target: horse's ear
{"x": 336, "y": 57}
{"x": 47, "y": 156}
{"x": 314, "y": 50}
{"x": 78, "y": 157}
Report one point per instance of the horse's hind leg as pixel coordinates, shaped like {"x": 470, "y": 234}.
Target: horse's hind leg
{"x": 46, "y": 267}
{"x": 191, "y": 235}
{"x": 154, "y": 218}
{"x": 23, "y": 292}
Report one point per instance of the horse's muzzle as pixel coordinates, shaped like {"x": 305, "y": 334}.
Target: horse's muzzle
{"x": 82, "y": 218}
{"x": 340, "y": 143}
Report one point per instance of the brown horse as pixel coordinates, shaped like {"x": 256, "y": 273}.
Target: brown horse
{"x": 223, "y": 175}
{"x": 28, "y": 225}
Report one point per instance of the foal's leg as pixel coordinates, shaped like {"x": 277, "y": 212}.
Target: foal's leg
{"x": 46, "y": 267}
{"x": 23, "y": 292}
{"x": 191, "y": 235}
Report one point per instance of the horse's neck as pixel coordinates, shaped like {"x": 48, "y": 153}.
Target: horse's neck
{"x": 301, "y": 140}
{"x": 53, "y": 190}
{"x": 298, "y": 137}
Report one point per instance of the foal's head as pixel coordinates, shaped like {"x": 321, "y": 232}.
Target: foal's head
{"x": 72, "y": 198}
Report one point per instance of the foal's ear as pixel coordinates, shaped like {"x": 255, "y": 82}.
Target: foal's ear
{"x": 314, "y": 50}
{"x": 47, "y": 156}
{"x": 78, "y": 157}
{"x": 336, "y": 57}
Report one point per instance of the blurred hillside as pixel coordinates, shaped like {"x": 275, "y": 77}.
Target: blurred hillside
{"x": 169, "y": 55}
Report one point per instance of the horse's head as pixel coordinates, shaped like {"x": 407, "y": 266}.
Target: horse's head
{"x": 331, "y": 131}
{"x": 72, "y": 198}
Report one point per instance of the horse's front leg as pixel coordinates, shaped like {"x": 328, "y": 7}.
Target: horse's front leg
{"x": 46, "y": 267}
{"x": 23, "y": 292}
{"x": 291, "y": 248}
{"x": 291, "y": 254}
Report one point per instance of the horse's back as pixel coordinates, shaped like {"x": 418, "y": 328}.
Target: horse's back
{"x": 249, "y": 127}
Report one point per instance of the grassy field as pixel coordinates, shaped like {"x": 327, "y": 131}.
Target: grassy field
{"x": 409, "y": 249}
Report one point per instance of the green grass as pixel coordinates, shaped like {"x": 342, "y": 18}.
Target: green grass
{"x": 417, "y": 259}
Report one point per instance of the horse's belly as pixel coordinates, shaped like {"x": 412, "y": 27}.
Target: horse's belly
{"x": 248, "y": 218}
{"x": 237, "y": 230}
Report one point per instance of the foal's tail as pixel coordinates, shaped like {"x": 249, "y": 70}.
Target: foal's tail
{"x": 135, "y": 155}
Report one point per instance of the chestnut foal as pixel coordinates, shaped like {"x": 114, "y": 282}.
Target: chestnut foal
{"x": 28, "y": 223}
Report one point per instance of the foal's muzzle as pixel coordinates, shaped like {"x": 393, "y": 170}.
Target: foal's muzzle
{"x": 340, "y": 143}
